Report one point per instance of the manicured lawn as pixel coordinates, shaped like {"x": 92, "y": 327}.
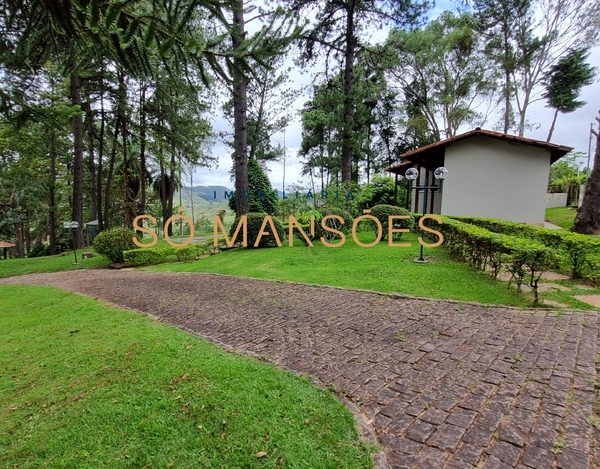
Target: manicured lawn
{"x": 12, "y": 267}
{"x": 381, "y": 268}
{"x": 87, "y": 386}
{"x": 561, "y": 216}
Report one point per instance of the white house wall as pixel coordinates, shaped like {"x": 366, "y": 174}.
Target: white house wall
{"x": 493, "y": 178}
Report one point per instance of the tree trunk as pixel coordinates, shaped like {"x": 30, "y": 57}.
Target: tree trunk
{"x": 100, "y": 155}
{"x": 142, "y": 204}
{"x": 77, "y": 125}
{"x": 523, "y": 113}
{"x": 163, "y": 192}
{"x": 180, "y": 197}
{"x": 171, "y": 191}
{"x": 552, "y": 126}
{"x": 127, "y": 195}
{"x": 52, "y": 193}
{"x": 587, "y": 220}
{"x": 348, "y": 91}
{"x": 109, "y": 176}
{"x": 506, "y": 100}
{"x": 240, "y": 118}
{"x": 92, "y": 166}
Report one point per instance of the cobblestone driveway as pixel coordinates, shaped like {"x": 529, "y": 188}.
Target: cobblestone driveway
{"x": 445, "y": 385}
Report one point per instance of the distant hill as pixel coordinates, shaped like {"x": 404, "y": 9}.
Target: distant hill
{"x": 208, "y": 192}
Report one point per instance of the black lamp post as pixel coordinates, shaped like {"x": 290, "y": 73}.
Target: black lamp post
{"x": 440, "y": 174}
{"x": 72, "y": 225}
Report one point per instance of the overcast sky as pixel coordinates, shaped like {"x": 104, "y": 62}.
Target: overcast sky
{"x": 571, "y": 129}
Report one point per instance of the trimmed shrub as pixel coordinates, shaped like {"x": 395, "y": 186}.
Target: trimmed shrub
{"x": 332, "y": 223}
{"x": 255, "y": 221}
{"x": 112, "y": 243}
{"x": 148, "y": 256}
{"x": 383, "y": 212}
{"x": 575, "y": 250}
{"x": 524, "y": 258}
{"x": 185, "y": 253}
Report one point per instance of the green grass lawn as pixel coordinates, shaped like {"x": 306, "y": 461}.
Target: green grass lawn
{"x": 84, "y": 385}
{"x": 381, "y": 268}
{"x": 561, "y": 216}
{"x": 12, "y": 267}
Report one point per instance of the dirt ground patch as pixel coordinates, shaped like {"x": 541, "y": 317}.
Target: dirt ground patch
{"x": 444, "y": 384}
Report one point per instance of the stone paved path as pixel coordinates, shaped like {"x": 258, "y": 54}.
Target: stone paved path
{"x": 445, "y": 385}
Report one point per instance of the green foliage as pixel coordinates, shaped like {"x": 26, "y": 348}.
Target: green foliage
{"x": 304, "y": 217}
{"x": 565, "y": 79}
{"x": 379, "y": 191}
{"x": 148, "y": 256}
{"x": 575, "y": 250}
{"x": 383, "y": 212}
{"x": 342, "y": 197}
{"x": 524, "y": 258}
{"x": 262, "y": 197}
{"x": 255, "y": 221}
{"x": 185, "y": 253}
{"x": 39, "y": 249}
{"x": 333, "y": 223}
{"x": 113, "y": 242}
{"x": 443, "y": 71}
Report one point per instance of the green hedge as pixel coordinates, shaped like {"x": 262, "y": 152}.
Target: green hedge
{"x": 525, "y": 259}
{"x": 151, "y": 256}
{"x": 576, "y": 252}
{"x": 147, "y": 256}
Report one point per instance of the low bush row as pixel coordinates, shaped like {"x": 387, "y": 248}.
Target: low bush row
{"x": 155, "y": 255}
{"x": 525, "y": 259}
{"x": 577, "y": 254}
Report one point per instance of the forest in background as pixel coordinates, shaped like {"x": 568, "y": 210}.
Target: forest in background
{"x": 107, "y": 107}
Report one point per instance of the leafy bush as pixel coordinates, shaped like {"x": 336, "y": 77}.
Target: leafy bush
{"x": 524, "y": 258}
{"x": 185, "y": 253}
{"x": 338, "y": 198}
{"x": 576, "y": 250}
{"x": 383, "y": 212}
{"x": 147, "y": 256}
{"x": 112, "y": 243}
{"x": 255, "y": 221}
{"x": 39, "y": 249}
{"x": 332, "y": 223}
{"x": 380, "y": 191}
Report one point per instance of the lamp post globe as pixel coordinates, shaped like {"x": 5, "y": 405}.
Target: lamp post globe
{"x": 441, "y": 173}
{"x": 72, "y": 225}
{"x": 411, "y": 174}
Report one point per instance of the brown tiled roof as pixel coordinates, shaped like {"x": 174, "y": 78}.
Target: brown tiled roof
{"x": 434, "y": 152}
{"x": 4, "y": 244}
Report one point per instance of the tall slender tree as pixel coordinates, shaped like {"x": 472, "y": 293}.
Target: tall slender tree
{"x": 564, "y": 82}
{"x": 336, "y": 30}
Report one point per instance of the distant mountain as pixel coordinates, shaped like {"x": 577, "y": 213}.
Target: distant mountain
{"x": 208, "y": 192}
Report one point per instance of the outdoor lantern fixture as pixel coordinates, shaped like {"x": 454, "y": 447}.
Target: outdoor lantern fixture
{"x": 412, "y": 174}
{"x": 72, "y": 225}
